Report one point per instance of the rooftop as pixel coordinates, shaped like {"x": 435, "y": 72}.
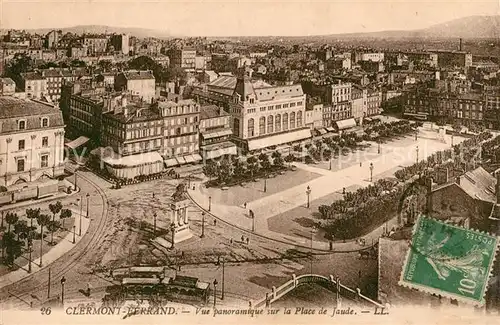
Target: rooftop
{"x": 136, "y": 74}
{"x": 211, "y": 111}
{"x": 15, "y": 107}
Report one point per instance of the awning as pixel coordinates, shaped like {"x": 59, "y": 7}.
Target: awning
{"x": 180, "y": 160}
{"x": 321, "y": 131}
{"x": 346, "y": 124}
{"x": 133, "y": 160}
{"x": 278, "y": 139}
{"x": 171, "y": 162}
{"x": 189, "y": 159}
{"x": 217, "y": 134}
{"x": 219, "y": 149}
{"x": 330, "y": 129}
{"x": 77, "y": 142}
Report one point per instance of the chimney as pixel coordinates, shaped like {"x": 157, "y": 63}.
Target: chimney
{"x": 497, "y": 187}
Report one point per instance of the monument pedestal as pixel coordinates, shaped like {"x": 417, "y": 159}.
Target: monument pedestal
{"x": 179, "y": 220}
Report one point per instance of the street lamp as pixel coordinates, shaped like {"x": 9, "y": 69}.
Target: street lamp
{"x": 88, "y": 196}
{"x": 75, "y": 180}
{"x": 215, "y": 292}
{"x": 223, "y": 273}
{"x": 202, "y": 225}
{"x": 417, "y": 153}
{"x": 80, "y": 218}
{"x": 253, "y": 220}
{"x": 265, "y": 185}
{"x": 172, "y": 230}
{"x": 330, "y": 168}
{"x": 30, "y": 249}
{"x": 154, "y": 223}
{"x": 63, "y": 280}
{"x": 74, "y": 233}
{"x": 308, "y": 192}
{"x": 371, "y": 172}
{"x": 378, "y": 146}
{"x": 209, "y": 203}
{"x": 452, "y": 140}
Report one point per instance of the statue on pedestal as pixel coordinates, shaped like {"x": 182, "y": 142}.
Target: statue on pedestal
{"x": 179, "y": 216}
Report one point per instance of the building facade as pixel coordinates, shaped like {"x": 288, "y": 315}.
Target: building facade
{"x": 137, "y": 83}
{"x": 32, "y": 141}
{"x": 215, "y": 133}
{"x": 183, "y": 58}
{"x": 120, "y": 43}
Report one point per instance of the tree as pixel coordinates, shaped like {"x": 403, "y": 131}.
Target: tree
{"x": 78, "y": 63}
{"x": 43, "y": 220}
{"x": 65, "y": 214}
{"x": 55, "y": 209}
{"x": 53, "y": 226}
{"x": 277, "y": 159}
{"x": 32, "y": 214}
{"x": 225, "y": 171}
{"x": 21, "y": 63}
{"x": 11, "y": 218}
{"x": 264, "y": 162}
{"x": 20, "y": 228}
{"x": 105, "y": 65}
{"x": 253, "y": 165}
{"x": 13, "y": 248}
{"x": 211, "y": 169}
{"x": 238, "y": 168}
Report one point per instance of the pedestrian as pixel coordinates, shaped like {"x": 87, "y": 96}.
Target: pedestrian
{"x": 248, "y": 239}
{"x": 215, "y": 222}
{"x": 245, "y": 205}
{"x": 153, "y": 195}
{"x": 242, "y": 239}
{"x": 231, "y": 241}
{"x": 359, "y": 274}
{"x": 360, "y": 164}
{"x": 88, "y": 289}
{"x": 331, "y": 245}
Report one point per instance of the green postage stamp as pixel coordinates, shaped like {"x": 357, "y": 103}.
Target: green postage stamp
{"x": 450, "y": 261}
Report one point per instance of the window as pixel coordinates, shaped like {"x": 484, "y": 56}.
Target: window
{"x": 262, "y": 125}
{"x": 299, "y": 119}
{"x": 270, "y": 124}
{"x": 45, "y": 142}
{"x": 177, "y": 131}
{"x": 277, "y": 123}
{"x": 292, "y": 120}
{"x": 20, "y": 165}
{"x": 45, "y": 122}
{"x": 285, "y": 121}
{"x": 22, "y": 125}
{"x": 185, "y": 120}
{"x": 285, "y": 105}
{"x": 45, "y": 161}
{"x": 263, "y": 109}
{"x": 251, "y": 127}
{"x": 21, "y": 145}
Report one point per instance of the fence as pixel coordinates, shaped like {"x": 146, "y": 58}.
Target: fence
{"x": 330, "y": 283}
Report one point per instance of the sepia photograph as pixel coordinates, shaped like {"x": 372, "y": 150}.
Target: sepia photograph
{"x": 288, "y": 162}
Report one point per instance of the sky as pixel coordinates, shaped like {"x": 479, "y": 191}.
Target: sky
{"x": 242, "y": 18}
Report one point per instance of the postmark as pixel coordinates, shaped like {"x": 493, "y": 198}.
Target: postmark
{"x": 450, "y": 261}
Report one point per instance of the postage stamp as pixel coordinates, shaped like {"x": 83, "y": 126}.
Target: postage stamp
{"x": 450, "y": 261}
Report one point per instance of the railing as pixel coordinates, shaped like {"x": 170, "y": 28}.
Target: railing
{"x": 330, "y": 283}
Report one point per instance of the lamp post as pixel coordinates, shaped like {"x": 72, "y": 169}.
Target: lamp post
{"x": 154, "y": 223}
{"x": 452, "y": 140}
{"x": 215, "y": 292}
{"x": 378, "y": 146}
{"x": 308, "y": 192}
{"x": 75, "y": 179}
{"x": 253, "y": 220}
{"x": 371, "y": 172}
{"x": 223, "y": 273}
{"x": 30, "y": 249}
{"x": 265, "y": 185}
{"x": 63, "y": 280}
{"x": 330, "y": 167}
{"x": 202, "y": 225}
{"x": 417, "y": 153}
{"x": 80, "y": 200}
{"x": 74, "y": 234}
{"x": 209, "y": 203}
{"x": 172, "y": 230}
{"x": 88, "y": 196}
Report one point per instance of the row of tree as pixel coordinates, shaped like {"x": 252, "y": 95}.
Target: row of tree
{"x": 383, "y": 130}
{"x": 371, "y": 206}
{"x": 18, "y": 236}
{"x": 235, "y": 169}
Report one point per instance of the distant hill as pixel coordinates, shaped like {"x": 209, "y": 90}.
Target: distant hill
{"x": 467, "y": 27}
{"x": 101, "y": 29}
